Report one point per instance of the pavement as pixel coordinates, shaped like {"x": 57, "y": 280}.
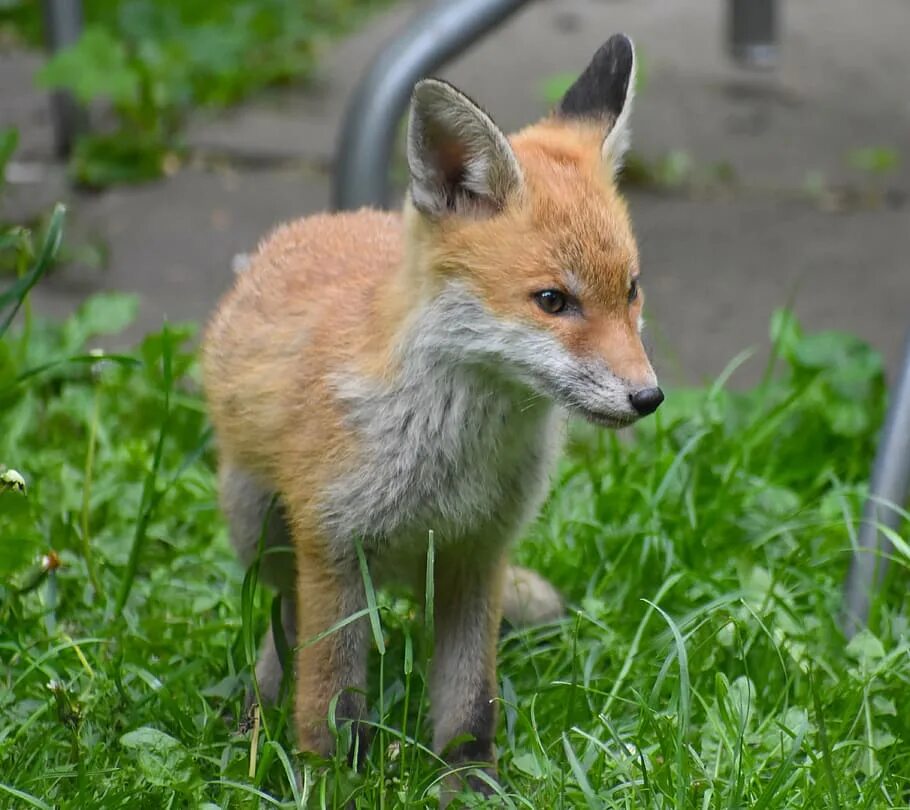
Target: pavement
{"x": 770, "y": 209}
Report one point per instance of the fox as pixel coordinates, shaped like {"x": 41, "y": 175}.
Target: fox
{"x": 375, "y": 376}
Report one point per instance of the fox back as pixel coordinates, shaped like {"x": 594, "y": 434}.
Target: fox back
{"x": 385, "y": 375}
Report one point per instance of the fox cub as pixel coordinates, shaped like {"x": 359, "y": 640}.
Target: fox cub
{"x": 388, "y": 374}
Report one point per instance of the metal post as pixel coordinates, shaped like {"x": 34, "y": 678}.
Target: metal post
{"x": 889, "y": 488}
{"x": 436, "y": 35}
{"x": 752, "y": 32}
{"x": 63, "y": 26}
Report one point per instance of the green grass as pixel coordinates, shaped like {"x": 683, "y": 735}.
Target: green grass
{"x": 700, "y": 664}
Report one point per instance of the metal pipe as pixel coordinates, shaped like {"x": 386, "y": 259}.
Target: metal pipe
{"x": 437, "y": 34}
{"x": 752, "y": 32}
{"x": 62, "y": 28}
{"x": 889, "y": 488}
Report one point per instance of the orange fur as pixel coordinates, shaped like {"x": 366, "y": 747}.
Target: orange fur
{"x": 334, "y": 292}
{"x": 342, "y": 287}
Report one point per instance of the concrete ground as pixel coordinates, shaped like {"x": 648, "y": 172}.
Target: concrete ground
{"x": 796, "y": 222}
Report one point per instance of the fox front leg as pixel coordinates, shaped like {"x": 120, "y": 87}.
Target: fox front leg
{"x": 332, "y": 665}
{"x": 463, "y": 688}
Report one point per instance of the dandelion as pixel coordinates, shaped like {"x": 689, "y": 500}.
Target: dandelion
{"x": 12, "y": 480}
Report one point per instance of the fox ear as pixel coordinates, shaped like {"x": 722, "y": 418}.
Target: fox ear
{"x": 460, "y": 161}
{"x": 604, "y": 92}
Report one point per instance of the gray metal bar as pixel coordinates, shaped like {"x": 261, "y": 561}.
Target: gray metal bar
{"x": 435, "y": 35}
{"x": 752, "y": 32}
{"x": 62, "y": 27}
{"x": 890, "y": 485}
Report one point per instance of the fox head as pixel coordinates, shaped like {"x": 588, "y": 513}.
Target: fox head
{"x": 528, "y": 244}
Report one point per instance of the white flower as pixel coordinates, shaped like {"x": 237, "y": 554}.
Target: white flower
{"x": 11, "y": 479}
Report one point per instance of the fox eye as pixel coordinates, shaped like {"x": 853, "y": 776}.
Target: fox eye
{"x": 551, "y": 301}
{"x": 633, "y": 290}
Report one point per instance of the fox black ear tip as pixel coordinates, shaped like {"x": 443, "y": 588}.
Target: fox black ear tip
{"x": 619, "y": 44}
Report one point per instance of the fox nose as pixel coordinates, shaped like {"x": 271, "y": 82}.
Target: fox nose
{"x": 647, "y": 400}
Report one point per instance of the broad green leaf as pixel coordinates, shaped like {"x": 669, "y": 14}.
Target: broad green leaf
{"x": 527, "y": 763}
{"x": 102, "y": 314}
{"x": 865, "y": 648}
{"x": 162, "y": 759}
{"x": 95, "y": 67}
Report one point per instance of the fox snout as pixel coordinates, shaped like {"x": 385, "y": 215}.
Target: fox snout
{"x": 646, "y": 400}
{"x": 634, "y": 368}
{"x": 608, "y": 393}
{"x": 618, "y": 409}
{"x": 627, "y": 375}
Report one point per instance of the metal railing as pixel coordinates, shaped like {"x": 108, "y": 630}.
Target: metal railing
{"x": 752, "y": 32}
{"x": 380, "y": 101}
{"x": 888, "y": 491}
{"x": 62, "y": 27}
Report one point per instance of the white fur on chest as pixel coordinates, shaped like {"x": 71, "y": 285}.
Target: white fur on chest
{"x": 444, "y": 453}
{"x": 449, "y": 446}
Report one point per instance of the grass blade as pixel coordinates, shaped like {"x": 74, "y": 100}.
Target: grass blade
{"x": 578, "y": 772}
{"x": 85, "y": 540}
{"x": 682, "y": 760}
{"x": 429, "y": 597}
{"x": 250, "y": 790}
{"x": 824, "y": 744}
{"x": 288, "y": 771}
{"x": 375, "y": 624}
{"x": 636, "y": 642}
{"x": 18, "y": 291}
{"x": 777, "y": 781}
{"x": 79, "y": 359}
{"x": 150, "y": 497}
{"x": 25, "y": 797}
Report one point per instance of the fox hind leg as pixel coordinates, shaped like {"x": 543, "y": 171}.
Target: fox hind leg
{"x": 254, "y": 515}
